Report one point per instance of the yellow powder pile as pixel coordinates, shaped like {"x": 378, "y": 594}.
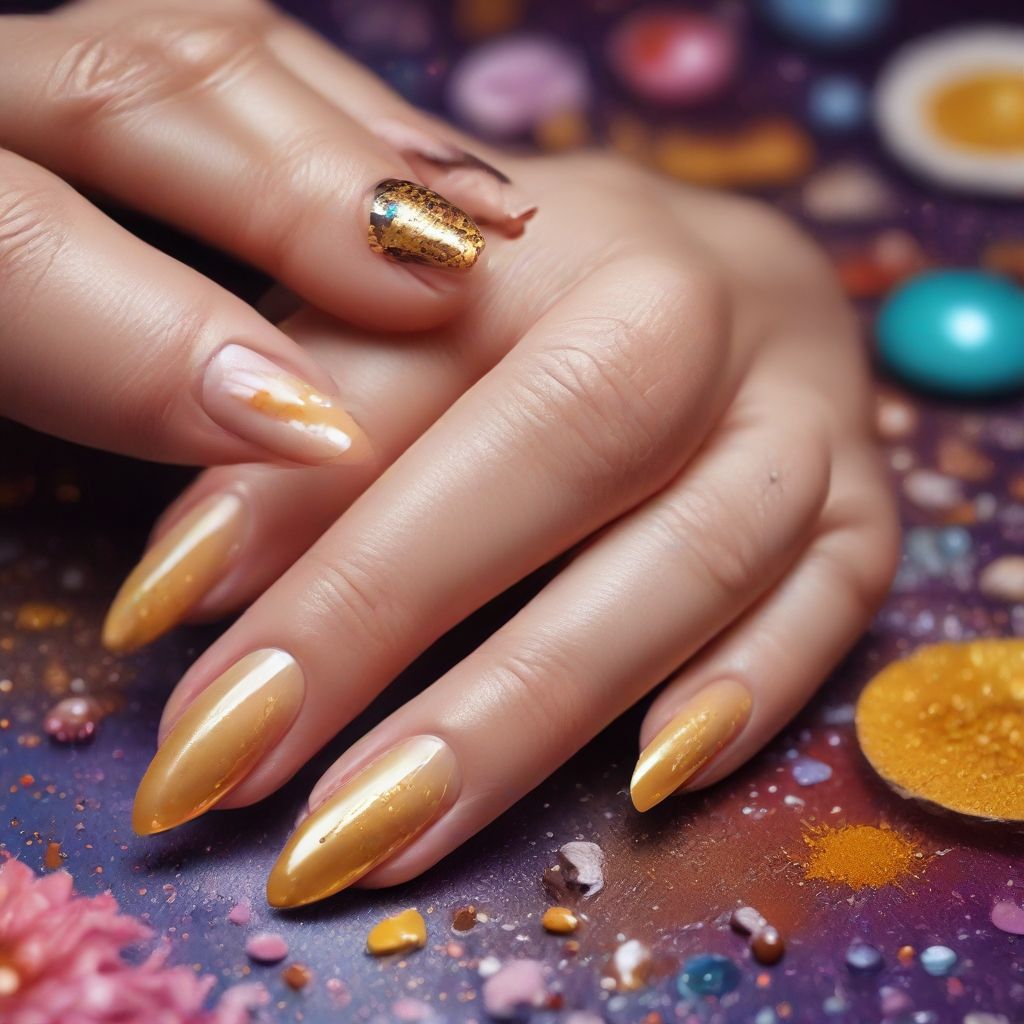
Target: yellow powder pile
{"x": 860, "y": 856}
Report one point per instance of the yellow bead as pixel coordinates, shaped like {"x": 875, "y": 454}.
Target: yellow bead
{"x": 983, "y": 112}
{"x": 560, "y": 921}
{"x": 399, "y": 934}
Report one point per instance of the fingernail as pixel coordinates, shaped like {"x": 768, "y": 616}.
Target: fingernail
{"x": 219, "y": 739}
{"x": 175, "y": 573}
{"x": 368, "y": 820}
{"x": 411, "y": 224}
{"x": 256, "y": 399}
{"x": 699, "y": 730}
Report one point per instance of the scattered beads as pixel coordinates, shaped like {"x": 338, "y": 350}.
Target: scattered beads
{"x": 399, "y": 934}
{"x": 73, "y": 719}
{"x": 862, "y": 958}
{"x": 938, "y": 961}
{"x": 560, "y": 921}
{"x": 767, "y": 946}
{"x": 464, "y": 918}
{"x": 297, "y": 976}
{"x": 708, "y": 974}
{"x": 266, "y": 948}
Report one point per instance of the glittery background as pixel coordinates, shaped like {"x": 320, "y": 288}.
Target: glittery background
{"x": 73, "y": 521}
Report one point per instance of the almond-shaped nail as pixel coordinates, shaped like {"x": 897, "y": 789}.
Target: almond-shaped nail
{"x": 218, "y": 740}
{"x": 412, "y": 224}
{"x": 368, "y": 820}
{"x": 697, "y": 732}
{"x": 249, "y": 395}
{"x": 175, "y": 573}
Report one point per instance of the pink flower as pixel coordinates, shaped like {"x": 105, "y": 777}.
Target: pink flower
{"x": 60, "y": 963}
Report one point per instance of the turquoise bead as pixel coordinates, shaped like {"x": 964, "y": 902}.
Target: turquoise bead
{"x": 708, "y": 974}
{"x": 956, "y": 331}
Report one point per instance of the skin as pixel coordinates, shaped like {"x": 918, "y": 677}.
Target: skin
{"x": 664, "y": 380}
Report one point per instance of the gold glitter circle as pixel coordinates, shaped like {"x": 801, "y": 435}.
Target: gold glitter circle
{"x": 946, "y": 725}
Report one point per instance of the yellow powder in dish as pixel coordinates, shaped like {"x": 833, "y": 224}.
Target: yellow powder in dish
{"x": 946, "y": 725}
{"x": 860, "y": 856}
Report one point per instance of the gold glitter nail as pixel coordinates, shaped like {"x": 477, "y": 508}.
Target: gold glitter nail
{"x": 946, "y": 726}
{"x": 411, "y": 224}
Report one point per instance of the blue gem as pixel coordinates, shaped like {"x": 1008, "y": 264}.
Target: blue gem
{"x": 708, "y": 975}
{"x": 938, "y": 961}
{"x": 391, "y": 210}
{"x": 863, "y": 959}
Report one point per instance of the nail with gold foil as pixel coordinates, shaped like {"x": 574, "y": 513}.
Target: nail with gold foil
{"x": 218, "y": 740}
{"x": 412, "y": 224}
{"x": 697, "y": 732}
{"x": 366, "y": 821}
{"x": 175, "y": 573}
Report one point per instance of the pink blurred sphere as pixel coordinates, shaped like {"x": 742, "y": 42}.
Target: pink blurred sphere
{"x": 674, "y": 56}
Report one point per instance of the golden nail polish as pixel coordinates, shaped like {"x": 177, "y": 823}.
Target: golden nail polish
{"x": 219, "y": 739}
{"x": 699, "y": 730}
{"x": 369, "y": 819}
{"x": 175, "y": 573}
{"x": 411, "y": 224}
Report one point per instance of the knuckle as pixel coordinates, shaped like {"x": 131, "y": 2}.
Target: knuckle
{"x": 132, "y": 65}
{"x": 349, "y": 594}
{"x": 538, "y": 679}
{"x": 33, "y": 230}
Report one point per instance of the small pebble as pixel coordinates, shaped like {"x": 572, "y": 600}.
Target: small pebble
{"x": 807, "y": 771}
{"x": 1008, "y": 917}
{"x": 708, "y": 974}
{"x": 516, "y": 987}
{"x": 580, "y": 871}
{"x": 767, "y": 946}
{"x": 1003, "y": 579}
{"x": 560, "y": 921}
{"x": 53, "y": 858}
{"x": 266, "y": 948}
{"x": 399, "y": 934}
{"x": 297, "y": 976}
{"x": 938, "y": 961}
{"x": 905, "y": 955}
{"x": 240, "y": 913}
{"x": 863, "y": 959}
{"x": 73, "y": 719}
{"x": 631, "y": 963}
{"x": 747, "y": 921}
{"x": 464, "y": 918}
{"x": 847, "y": 192}
{"x": 933, "y": 491}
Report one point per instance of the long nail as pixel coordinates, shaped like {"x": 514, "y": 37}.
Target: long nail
{"x": 246, "y": 393}
{"x": 219, "y": 739}
{"x": 411, "y": 224}
{"x": 175, "y": 573}
{"x": 699, "y": 730}
{"x": 369, "y": 819}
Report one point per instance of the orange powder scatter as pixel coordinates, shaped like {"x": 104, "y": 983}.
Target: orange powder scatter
{"x": 860, "y": 856}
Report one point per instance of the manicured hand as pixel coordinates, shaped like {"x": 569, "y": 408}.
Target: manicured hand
{"x": 661, "y": 386}
{"x": 206, "y": 121}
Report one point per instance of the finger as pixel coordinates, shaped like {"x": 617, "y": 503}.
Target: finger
{"x": 588, "y": 415}
{"x": 189, "y": 118}
{"x": 837, "y": 585}
{"x": 110, "y": 343}
{"x": 643, "y": 597}
{"x": 237, "y": 528}
{"x": 442, "y": 157}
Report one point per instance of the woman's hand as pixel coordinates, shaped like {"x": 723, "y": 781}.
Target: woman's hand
{"x": 207, "y": 122}
{"x": 660, "y": 384}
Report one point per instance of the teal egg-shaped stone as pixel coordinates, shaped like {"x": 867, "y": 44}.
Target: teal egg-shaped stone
{"x": 708, "y": 974}
{"x": 956, "y": 331}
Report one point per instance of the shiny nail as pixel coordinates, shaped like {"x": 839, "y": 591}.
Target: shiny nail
{"x": 218, "y": 740}
{"x": 411, "y": 224}
{"x": 175, "y": 573}
{"x": 368, "y": 820}
{"x": 699, "y": 730}
{"x": 246, "y": 393}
